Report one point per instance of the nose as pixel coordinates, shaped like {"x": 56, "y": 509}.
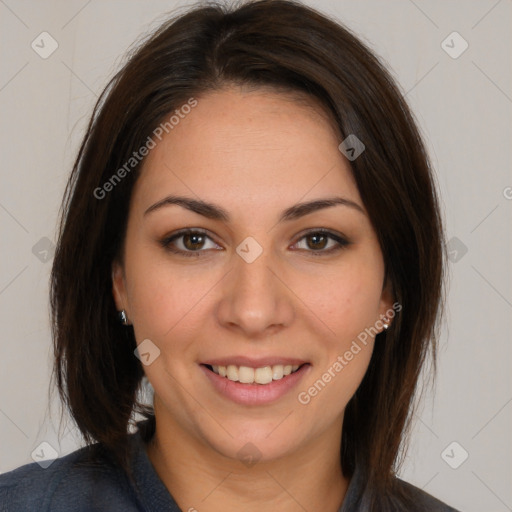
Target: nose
{"x": 254, "y": 301}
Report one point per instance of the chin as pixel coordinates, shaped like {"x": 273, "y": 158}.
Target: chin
{"x": 251, "y": 444}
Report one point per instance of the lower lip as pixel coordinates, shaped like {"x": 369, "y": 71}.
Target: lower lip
{"x": 255, "y": 394}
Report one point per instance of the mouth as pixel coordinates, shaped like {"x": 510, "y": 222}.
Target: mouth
{"x": 252, "y": 382}
{"x": 248, "y": 375}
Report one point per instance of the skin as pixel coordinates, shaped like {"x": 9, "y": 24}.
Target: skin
{"x": 253, "y": 153}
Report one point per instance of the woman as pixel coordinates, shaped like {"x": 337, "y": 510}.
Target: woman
{"x": 251, "y": 224}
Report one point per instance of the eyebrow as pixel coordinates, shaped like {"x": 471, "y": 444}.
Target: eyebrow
{"x": 215, "y": 212}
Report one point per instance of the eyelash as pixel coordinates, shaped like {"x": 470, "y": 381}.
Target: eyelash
{"x": 166, "y": 243}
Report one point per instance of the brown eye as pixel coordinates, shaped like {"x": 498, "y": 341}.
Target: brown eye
{"x": 316, "y": 241}
{"x": 321, "y": 242}
{"x": 193, "y": 241}
{"x": 189, "y": 243}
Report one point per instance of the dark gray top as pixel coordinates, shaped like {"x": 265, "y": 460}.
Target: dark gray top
{"x": 71, "y": 484}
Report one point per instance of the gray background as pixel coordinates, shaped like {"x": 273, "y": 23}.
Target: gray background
{"x": 463, "y": 105}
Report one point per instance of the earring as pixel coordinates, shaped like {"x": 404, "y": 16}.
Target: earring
{"x": 385, "y": 324}
{"x": 123, "y": 318}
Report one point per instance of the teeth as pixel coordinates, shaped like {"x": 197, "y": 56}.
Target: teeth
{"x": 247, "y": 375}
{"x": 232, "y": 372}
{"x": 263, "y": 375}
{"x": 277, "y": 372}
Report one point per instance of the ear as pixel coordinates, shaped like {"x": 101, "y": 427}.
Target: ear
{"x": 119, "y": 286}
{"x": 386, "y": 302}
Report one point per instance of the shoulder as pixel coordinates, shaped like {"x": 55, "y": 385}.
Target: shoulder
{"x": 72, "y": 483}
{"x": 414, "y": 499}
{"x": 398, "y": 496}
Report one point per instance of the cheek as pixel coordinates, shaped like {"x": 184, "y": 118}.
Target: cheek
{"x": 352, "y": 308}
{"x": 348, "y": 304}
{"x": 162, "y": 298}
{"x": 347, "y": 301}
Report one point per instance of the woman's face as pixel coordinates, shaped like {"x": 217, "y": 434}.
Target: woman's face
{"x": 255, "y": 288}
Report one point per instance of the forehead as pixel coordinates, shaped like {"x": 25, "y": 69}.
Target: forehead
{"x": 250, "y": 146}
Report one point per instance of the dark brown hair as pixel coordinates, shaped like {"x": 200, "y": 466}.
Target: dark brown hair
{"x": 290, "y": 47}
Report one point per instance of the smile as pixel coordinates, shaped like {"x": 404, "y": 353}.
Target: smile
{"x": 247, "y": 375}
{"x": 254, "y": 382}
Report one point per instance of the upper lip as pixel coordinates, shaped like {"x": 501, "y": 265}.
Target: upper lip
{"x": 253, "y": 362}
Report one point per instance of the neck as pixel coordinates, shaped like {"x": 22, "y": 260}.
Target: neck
{"x": 201, "y": 479}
